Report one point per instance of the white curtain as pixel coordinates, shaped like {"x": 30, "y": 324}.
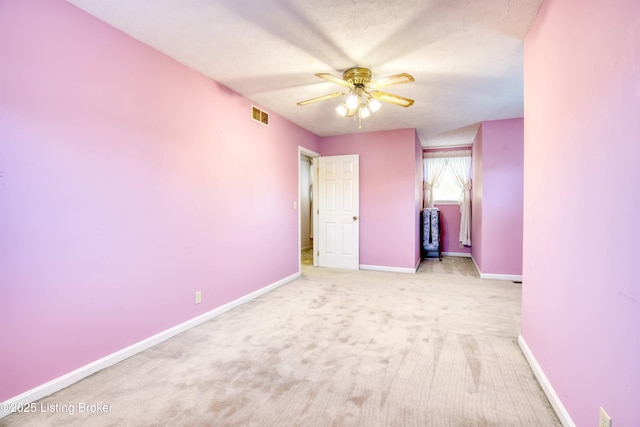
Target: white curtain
{"x": 461, "y": 167}
{"x": 433, "y": 168}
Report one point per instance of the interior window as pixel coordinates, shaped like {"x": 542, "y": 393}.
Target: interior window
{"x": 447, "y": 190}
{"x": 439, "y": 171}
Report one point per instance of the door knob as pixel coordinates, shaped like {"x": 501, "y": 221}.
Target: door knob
{"x": 355, "y": 217}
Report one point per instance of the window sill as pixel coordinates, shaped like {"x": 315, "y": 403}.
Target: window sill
{"x": 445, "y": 202}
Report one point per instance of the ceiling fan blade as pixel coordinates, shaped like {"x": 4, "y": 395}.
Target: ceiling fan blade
{"x": 321, "y": 98}
{"x": 334, "y": 79}
{"x": 400, "y": 101}
{"x": 396, "y": 79}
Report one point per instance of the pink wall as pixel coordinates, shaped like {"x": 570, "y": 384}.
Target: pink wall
{"x": 387, "y": 194}
{"x": 419, "y": 177}
{"x": 123, "y": 190}
{"x": 476, "y": 198}
{"x": 581, "y": 294}
{"x": 450, "y": 223}
{"x": 498, "y": 191}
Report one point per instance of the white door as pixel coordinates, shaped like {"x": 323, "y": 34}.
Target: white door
{"x": 338, "y": 210}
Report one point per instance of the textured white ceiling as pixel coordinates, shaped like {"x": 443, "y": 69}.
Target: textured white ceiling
{"x": 466, "y": 55}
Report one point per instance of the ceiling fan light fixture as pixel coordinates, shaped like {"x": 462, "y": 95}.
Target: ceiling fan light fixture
{"x": 374, "y": 105}
{"x": 363, "y": 96}
{"x": 364, "y": 111}
{"x": 352, "y": 102}
{"x": 342, "y": 109}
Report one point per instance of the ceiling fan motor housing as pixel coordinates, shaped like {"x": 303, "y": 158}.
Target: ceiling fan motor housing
{"x": 357, "y": 75}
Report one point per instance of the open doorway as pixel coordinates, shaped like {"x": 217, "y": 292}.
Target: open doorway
{"x": 306, "y": 203}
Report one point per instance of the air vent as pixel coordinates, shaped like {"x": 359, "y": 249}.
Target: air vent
{"x": 259, "y": 116}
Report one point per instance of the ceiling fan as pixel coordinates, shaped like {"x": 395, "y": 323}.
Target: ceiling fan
{"x": 363, "y": 95}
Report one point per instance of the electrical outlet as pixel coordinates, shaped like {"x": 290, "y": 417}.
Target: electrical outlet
{"x": 198, "y": 297}
{"x": 605, "y": 420}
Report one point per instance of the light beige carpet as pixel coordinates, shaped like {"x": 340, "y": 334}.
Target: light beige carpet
{"x": 333, "y": 348}
{"x": 306, "y": 256}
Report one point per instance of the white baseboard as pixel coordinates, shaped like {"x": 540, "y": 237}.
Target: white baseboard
{"x": 509, "y": 277}
{"x": 555, "y": 401}
{"x": 460, "y": 254}
{"x": 66, "y": 380}
{"x": 390, "y": 269}
{"x": 476, "y": 265}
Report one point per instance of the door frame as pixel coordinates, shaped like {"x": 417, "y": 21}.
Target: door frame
{"x": 314, "y": 156}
